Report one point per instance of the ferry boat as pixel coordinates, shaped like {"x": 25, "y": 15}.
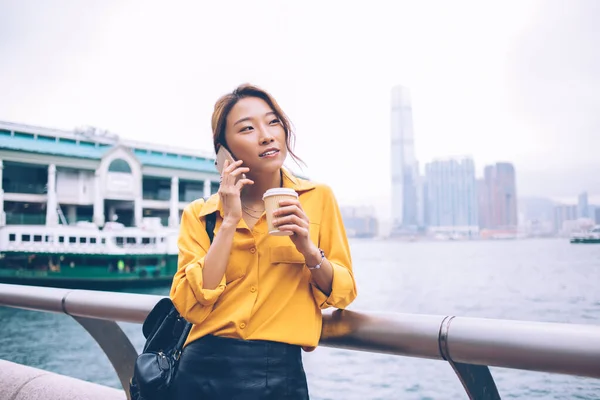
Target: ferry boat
{"x": 84, "y": 256}
{"x": 122, "y": 203}
{"x": 590, "y": 237}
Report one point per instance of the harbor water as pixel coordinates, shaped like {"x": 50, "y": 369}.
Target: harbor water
{"x": 546, "y": 280}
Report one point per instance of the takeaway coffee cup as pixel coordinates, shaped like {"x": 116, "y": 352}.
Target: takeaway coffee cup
{"x": 272, "y": 197}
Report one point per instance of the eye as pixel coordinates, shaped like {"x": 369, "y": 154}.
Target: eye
{"x": 246, "y": 128}
{"x": 275, "y": 121}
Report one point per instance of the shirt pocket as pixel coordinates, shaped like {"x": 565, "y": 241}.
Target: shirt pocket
{"x": 286, "y": 255}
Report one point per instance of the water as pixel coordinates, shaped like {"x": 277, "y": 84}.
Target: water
{"x": 541, "y": 280}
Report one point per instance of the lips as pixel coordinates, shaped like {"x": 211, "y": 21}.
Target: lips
{"x": 269, "y": 152}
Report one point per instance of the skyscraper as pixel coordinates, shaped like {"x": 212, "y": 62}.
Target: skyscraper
{"x": 583, "y": 206}
{"x": 452, "y": 195}
{"x": 405, "y": 172}
{"x": 498, "y": 197}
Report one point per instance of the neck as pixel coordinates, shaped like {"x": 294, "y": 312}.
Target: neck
{"x": 252, "y": 194}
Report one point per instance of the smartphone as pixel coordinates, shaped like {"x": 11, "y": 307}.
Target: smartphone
{"x": 222, "y": 155}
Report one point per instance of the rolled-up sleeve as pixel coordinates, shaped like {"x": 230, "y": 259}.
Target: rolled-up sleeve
{"x": 334, "y": 242}
{"x": 192, "y": 301}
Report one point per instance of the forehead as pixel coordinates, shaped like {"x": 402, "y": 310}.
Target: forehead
{"x": 248, "y": 107}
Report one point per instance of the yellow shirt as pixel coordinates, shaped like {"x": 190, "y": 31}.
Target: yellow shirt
{"x": 267, "y": 292}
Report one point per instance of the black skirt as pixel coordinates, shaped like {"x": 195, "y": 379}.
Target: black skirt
{"x": 221, "y": 368}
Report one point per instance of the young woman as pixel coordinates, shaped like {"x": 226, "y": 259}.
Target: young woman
{"x": 255, "y": 299}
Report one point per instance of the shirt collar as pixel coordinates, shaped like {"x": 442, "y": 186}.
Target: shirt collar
{"x": 213, "y": 203}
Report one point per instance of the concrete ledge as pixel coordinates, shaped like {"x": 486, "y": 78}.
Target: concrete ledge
{"x": 20, "y": 382}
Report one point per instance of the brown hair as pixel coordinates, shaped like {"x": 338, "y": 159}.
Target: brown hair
{"x": 224, "y": 105}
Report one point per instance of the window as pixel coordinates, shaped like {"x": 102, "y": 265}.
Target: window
{"x": 12, "y": 237}
{"x": 37, "y": 238}
{"x": 82, "y": 240}
{"x": 130, "y": 240}
{"x": 72, "y": 239}
{"x": 119, "y": 165}
{"x": 25, "y": 238}
{"x": 93, "y": 240}
{"x": 61, "y": 239}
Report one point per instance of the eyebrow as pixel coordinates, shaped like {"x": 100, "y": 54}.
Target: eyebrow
{"x": 249, "y": 118}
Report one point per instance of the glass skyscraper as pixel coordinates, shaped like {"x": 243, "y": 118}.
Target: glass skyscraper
{"x": 452, "y": 195}
{"x": 405, "y": 173}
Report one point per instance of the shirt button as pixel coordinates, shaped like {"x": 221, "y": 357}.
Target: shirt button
{"x": 253, "y": 289}
{"x": 242, "y": 325}
{"x": 253, "y": 250}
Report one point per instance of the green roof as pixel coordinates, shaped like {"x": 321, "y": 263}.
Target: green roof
{"x": 30, "y": 143}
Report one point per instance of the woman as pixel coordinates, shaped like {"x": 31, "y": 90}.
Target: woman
{"x": 255, "y": 299}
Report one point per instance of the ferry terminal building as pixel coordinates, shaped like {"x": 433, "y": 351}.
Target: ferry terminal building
{"x": 51, "y": 177}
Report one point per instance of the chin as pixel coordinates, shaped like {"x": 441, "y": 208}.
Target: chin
{"x": 271, "y": 167}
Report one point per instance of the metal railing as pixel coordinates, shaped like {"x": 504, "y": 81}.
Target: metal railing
{"x": 469, "y": 345}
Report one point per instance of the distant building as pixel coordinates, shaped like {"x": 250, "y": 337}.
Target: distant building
{"x": 452, "y": 196}
{"x": 563, "y": 214}
{"x": 597, "y": 215}
{"x": 583, "y": 206}
{"x": 483, "y": 204}
{"x": 423, "y": 202}
{"x": 360, "y": 222}
{"x": 497, "y": 197}
{"x": 404, "y": 167}
{"x": 538, "y": 216}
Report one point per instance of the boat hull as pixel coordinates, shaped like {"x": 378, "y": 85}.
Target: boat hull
{"x": 585, "y": 241}
{"x": 87, "y": 271}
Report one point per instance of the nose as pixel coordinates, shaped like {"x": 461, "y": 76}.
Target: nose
{"x": 265, "y": 136}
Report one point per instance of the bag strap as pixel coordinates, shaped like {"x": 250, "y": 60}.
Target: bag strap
{"x": 210, "y": 225}
{"x": 210, "y": 230}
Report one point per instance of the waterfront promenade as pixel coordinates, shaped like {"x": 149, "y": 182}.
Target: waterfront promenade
{"x": 469, "y": 345}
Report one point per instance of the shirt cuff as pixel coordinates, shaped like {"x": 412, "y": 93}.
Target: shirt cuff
{"x": 206, "y": 297}
{"x": 340, "y": 286}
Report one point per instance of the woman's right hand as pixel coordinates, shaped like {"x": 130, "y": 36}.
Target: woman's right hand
{"x": 229, "y": 190}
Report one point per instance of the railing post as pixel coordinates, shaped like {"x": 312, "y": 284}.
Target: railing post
{"x": 115, "y": 344}
{"x": 476, "y": 379}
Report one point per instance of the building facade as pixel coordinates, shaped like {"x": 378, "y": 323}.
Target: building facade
{"x": 563, "y": 214}
{"x": 583, "y": 207}
{"x": 452, "y": 196}
{"x": 404, "y": 167}
{"x": 498, "y": 197}
{"x": 52, "y": 177}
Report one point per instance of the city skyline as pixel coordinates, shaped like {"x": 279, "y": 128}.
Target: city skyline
{"x": 450, "y": 199}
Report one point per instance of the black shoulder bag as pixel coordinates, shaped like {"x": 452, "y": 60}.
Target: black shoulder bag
{"x": 165, "y": 331}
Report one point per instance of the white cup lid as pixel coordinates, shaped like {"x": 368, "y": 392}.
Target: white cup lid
{"x": 280, "y": 192}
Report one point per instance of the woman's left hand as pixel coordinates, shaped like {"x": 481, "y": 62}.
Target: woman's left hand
{"x": 291, "y": 217}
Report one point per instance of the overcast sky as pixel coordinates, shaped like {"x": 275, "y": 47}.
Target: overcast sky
{"x": 514, "y": 81}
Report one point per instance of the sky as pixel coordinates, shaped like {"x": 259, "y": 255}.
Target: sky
{"x": 515, "y": 81}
